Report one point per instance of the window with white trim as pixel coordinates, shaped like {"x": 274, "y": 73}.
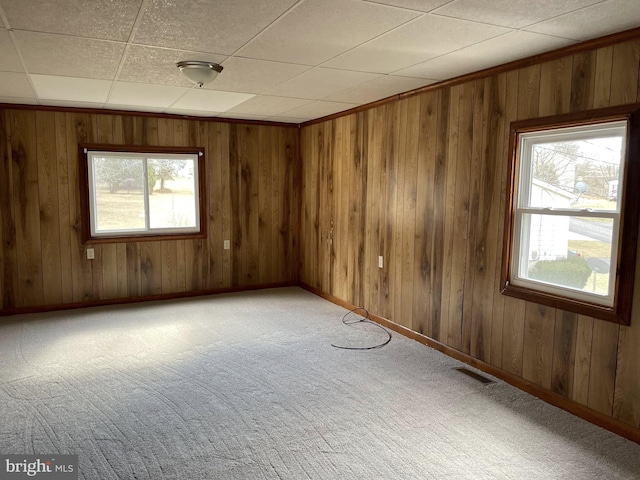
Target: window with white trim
{"x": 138, "y": 193}
{"x": 567, "y": 239}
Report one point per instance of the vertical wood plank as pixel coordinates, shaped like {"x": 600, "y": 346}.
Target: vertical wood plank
{"x": 8, "y": 254}
{"x": 48, "y": 198}
{"x": 290, "y": 202}
{"x": 359, "y": 132}
{"x": 537, "y": 354}
{"x": 513, "y": 335}
{"x": 486, "y": 338}
{"x": 64, "y": 221}
{"x": 375, "y": 177}
{"x": 265, "y": 220}
{"x": 409, "y": 212}
{"x": 469, "y": 315}
{"x": 625, "y": 75}
{"x": 250, "y": 165}
{"x": 386, "y": 210}
{"x": 583, "y": 81}
{"x": 27, "y": 208}
{"x": 225, "y": 193}
{"x": 422, "y": 320}
{"x": 603, "y": 366}
{"x": 602, "y": 85}
{"x": 582, "y": 365}
{"x": 555, "y": 86}
{"x": 234, "y": 193}
{"x": 79, "y": 129}
{"x": 528, "y": 92}
{"x": 564, "y": 353}
{"x": 512, "y": 309}
{"x": 341, "y": 228}
{"x": 626, "y": 407}
{"x": 215, "y": 198}
{"x": 133, "y": 269}
{"x": 459, "y": 334}
{"x": 150, "y": 268}
{"x": 439, "y": 201}
{"x": 121, "y": 270}
{"x": 450, "y": 328}
{"x": 396, "y": 208}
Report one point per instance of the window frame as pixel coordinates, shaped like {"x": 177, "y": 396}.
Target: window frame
{"x": 85, "y": 193}
{"x": 627, "y": 234}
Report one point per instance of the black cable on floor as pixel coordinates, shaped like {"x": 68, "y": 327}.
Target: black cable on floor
{"x": 365, "y": 319}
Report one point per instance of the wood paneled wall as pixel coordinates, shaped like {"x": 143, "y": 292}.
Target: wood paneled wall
{"x": 421, "y": 182}
{"x": 252, "y": 176}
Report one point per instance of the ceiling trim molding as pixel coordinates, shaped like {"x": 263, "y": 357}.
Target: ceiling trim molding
{"x": 135, "y": 113}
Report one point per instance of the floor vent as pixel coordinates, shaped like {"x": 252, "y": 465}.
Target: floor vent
{"x": 474, "y": 375}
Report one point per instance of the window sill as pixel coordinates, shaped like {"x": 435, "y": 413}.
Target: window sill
{"x": 620, "y": 315}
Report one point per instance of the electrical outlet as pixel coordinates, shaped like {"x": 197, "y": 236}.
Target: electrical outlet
{"x": 227, "y": 244}
{"x": 380, "y": 262}
{"x": 90, "y": 254}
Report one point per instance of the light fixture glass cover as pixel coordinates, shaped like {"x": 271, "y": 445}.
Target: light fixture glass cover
{"x": 199, "y": 72}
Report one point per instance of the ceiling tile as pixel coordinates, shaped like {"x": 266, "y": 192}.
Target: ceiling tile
{"x": 242, "y": 116}
{"x": 13, "y": 84}
{"x": 210, "y": 100}
{"x": 228, "y": 24}
{"x": 70, "y": 103}
{"x": 110, "y": 20}
{"x": 493, "y": 52}
{"x": 378, "y": 88}
{"x": 287, "y": 119}
{"x": 420, "y": 5}
{"x": 158, "y": 65}
{"x": 318, "y": 109}
{"x": 254, "y": 76}
{"x": 133, "y": 108}
{"x": 186, "y": 111}
{"x": 51, "y": 87}
{"x": 9, "y": 59}
{"x": 510, "y": 13}
{"x": 266, "y": 105}
{"x": 51, "y": 54}
{"x": 19, "y": 100}
{"x": 317, "y": 30}
{"x": 139, "y": 94}
{"x": 320, "y": 82}
{"x": 612, "y": 16}
{"x": 417, "y": 41}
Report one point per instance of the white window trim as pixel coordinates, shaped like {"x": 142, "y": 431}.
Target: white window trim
{"x": 526, "y": 143}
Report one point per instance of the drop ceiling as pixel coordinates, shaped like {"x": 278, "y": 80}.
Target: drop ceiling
{"x": 284, "y": 60}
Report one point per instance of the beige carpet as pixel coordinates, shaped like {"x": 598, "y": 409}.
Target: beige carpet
{"x": 247, "y": 386}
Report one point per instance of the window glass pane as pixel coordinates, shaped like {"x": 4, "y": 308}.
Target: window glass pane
{"x": 172, "y": 189}
{"x": 118, "y": 184}
{"x": 572, "y": 252}
{"x": 577, "y": 173}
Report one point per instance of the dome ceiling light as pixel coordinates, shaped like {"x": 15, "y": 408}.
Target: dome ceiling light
{"x": 199, "y": 72}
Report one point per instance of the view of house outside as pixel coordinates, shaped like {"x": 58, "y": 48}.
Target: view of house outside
{"x": 572, "y": 250}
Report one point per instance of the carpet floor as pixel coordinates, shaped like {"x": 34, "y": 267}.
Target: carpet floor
{"x": 248, "y": 386}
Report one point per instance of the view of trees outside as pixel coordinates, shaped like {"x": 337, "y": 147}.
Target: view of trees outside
{"x": 584, "y": 167}
{"x": 581, "y": 174}
{"x": 119, "y": 193}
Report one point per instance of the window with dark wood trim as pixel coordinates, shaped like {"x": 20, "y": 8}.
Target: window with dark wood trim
{"x": 134, "y": 193}
{"x": 572, "y": 212}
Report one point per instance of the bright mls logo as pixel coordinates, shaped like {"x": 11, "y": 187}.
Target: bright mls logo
{"x": 49, "y": 467}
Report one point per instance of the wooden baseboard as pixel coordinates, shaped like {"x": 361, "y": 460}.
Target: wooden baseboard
{"x": 145, "y": 298}
{"x": 616, "y": 426}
